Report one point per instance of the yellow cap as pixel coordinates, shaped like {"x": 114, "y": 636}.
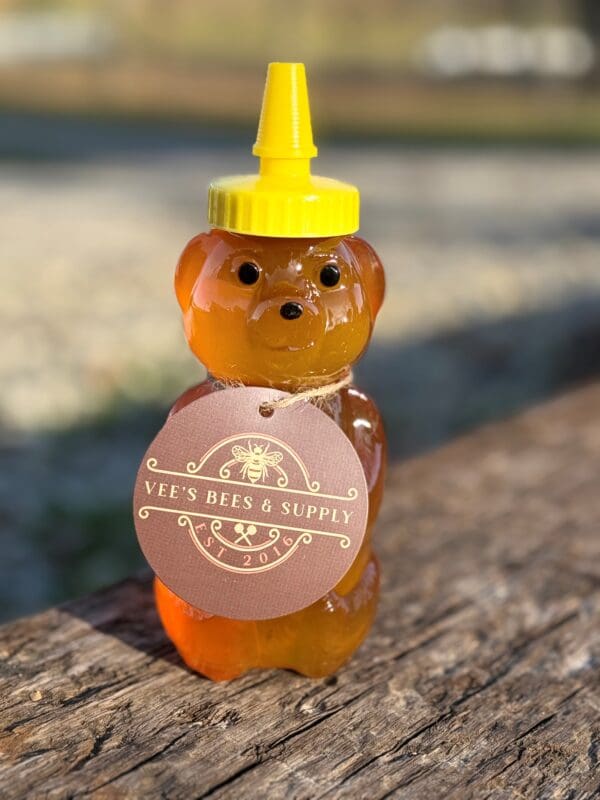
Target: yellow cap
{"x": 284, "y": 199}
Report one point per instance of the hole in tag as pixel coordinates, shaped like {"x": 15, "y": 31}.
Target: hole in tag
{"x": 264, "y": 410}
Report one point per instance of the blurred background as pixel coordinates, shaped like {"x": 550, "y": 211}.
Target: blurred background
{"x": 472, "y": 130}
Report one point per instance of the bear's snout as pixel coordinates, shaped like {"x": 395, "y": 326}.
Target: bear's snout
{"x": 270, "y": 322}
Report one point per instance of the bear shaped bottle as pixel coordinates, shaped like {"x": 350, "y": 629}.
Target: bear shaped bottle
{"x": 280, "y": 293}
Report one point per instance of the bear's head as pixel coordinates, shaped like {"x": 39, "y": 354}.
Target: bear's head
{"x": 275, "y": 311}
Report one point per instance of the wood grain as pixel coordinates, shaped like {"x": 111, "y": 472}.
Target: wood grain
{"x": 481, "y": 678}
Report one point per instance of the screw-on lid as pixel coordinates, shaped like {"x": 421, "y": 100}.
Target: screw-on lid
{"x": 284, "y": 199}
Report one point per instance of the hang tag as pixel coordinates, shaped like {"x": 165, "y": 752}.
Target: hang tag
{"x": 246, "y": 516}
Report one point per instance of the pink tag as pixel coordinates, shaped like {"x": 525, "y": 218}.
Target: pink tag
{"x": 246, "y": 516}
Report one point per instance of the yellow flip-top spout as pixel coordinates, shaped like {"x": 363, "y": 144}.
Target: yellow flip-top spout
{"x": 284, "y": 199}
{"x": 284, "y": 128}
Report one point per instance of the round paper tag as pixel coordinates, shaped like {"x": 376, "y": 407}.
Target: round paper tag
{"x": 246, "y": 516}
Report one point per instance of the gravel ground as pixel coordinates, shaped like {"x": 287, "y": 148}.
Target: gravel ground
{"x": 493, "y": 264}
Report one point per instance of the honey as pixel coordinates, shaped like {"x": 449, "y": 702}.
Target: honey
{"x": 280, "y": 293}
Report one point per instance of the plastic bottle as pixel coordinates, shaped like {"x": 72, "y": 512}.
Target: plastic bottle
{"x": 279, "y": 293}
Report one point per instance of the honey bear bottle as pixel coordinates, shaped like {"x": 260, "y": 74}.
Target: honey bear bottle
{"x": 281, "y": 294}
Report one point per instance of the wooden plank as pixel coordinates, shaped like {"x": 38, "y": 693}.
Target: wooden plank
{"x": 481, "y": 678}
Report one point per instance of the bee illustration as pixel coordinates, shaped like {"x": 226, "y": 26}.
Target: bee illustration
{"x": 256, "y": 460}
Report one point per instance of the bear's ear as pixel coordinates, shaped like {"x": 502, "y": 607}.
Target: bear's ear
{"x": 189, "y": 265}
{"x": 371, "y": 271}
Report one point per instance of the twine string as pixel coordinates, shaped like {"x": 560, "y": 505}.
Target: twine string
{"x": 269, "y": 406}
{"x": 285, "y": 401}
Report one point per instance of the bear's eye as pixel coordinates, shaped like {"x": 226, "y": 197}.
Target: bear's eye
{"x": 330, "y": 275}
{"x": 248, "y": 273}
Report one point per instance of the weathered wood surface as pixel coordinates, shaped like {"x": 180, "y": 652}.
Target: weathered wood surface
{"x": 481, "y": 678}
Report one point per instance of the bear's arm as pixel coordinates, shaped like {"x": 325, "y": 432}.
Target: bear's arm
{"x": 362, "y": 423}
{"x": 191, "y": 394}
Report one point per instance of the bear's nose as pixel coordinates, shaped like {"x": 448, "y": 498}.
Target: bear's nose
{"x": 291, "y": 310}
